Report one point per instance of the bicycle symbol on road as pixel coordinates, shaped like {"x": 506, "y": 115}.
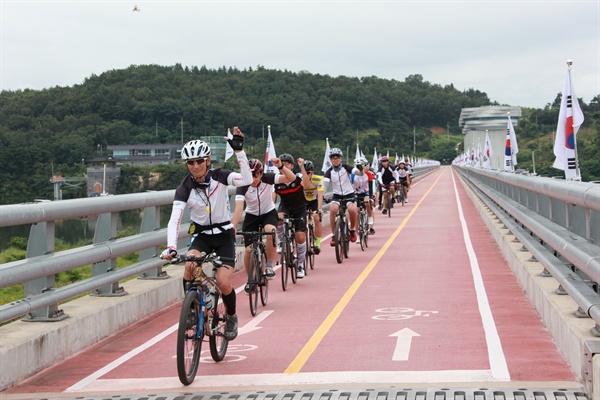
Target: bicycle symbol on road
{"x": 399, "y": 313}
{"x": 231, "y": 355}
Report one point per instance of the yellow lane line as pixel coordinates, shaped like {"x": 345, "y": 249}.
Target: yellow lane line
{"x": 309, "y": 348}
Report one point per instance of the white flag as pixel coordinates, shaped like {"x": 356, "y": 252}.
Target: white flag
{"x": 511, "y": 149}
{"x": 487, "y": 152}
{"x": 270, "y": 153}
{"x": 357, "y": 155}
{"x": 375, "y": 162}
{"x": 478, "y": 155}
{"x": 570, "y": 119}
{"x": 228, "y": 149}
{"x": 326, "y": 161}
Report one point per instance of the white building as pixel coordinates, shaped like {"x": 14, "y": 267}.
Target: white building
{"x": 476, "y": 120}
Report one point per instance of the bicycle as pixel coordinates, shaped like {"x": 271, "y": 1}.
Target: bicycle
{"x": 387, "y": 201}
{"x": 363, "y": 225}
{"x": 341, "y": 233}
{"x": 400, "y": 194}
{"x": 201, "y": 315}
{"x": 257, "y": 280}
{"x": 288, "y": 248}
{"x": 310, "y": 240}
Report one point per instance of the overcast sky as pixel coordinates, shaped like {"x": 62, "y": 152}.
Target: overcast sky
{"x": 515, "y": 51}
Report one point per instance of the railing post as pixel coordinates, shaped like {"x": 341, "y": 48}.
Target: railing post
{"x": 41, "y": 242}
{"x": 151, "y": 222}
{"x": 106, "y": 230}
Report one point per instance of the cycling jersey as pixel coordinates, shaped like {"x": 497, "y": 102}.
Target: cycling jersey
{"x": 292, "y": 194}
{"x": 386, "y": 175}
{"x": 340, "y": 179}
{"x": 208, "y": 200}
{"x": 361, "y": 184}
{"x": 259, "y": 200}
{"x": 402, "y": 172}
{"x": 316, "y": 185}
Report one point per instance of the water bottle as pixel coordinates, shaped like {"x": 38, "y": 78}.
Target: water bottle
{"x": 209, "y": 298}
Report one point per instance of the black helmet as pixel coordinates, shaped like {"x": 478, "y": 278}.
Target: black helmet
{"x": 255, "y": 165}
{"x": 335, "y": 152}
{"x": 309, "y": 166}
{"x": 286, "y": 157}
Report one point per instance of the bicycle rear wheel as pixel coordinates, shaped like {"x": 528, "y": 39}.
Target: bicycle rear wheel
{"x": 310, "y": 247}
{"x": 390, "y": 205}
{"x": 254, "y": 274}
{"x": 264, "y": 282}
{"x": 338, "y": 234}
{"x": 218, "y": 343}
{"x": 189, "y": 339}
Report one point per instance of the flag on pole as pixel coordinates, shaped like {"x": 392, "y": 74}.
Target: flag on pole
{"x": 487, "y": 152}
{"x": 478, "y": 155}
{"x": 511, "y": 149}
{"x": 270, "y": 153}
{"x": 326, "y": 162}
{"x": 357, "y": 155}
{"x": 228, "y": 149}
{"x": 570, "y": 119}
{"x": 375, "y": 162}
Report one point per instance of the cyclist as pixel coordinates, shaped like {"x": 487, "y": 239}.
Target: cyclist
{"x": 387, "y": 177}
{"x": 409, "y": 167}
{"x": 260, "y": 209}
{"x": 293, "y": 204}
{"x": 363, "y": 187}
{"x": 204, "y": 191}
{"x": 343, "y": 192}
{"x": 314, "y": 198}
{"x": 404, "y": 179}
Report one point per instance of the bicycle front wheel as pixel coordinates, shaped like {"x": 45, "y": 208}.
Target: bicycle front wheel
{"x": 362, "y": 232}
{"x": 284, "y": 267}
{"x": 292, "y": 261}
{"x": 189, "y": 338}
{"x": 218, "y": 343}
{"x": 390, "y": 205}
{"x": 338, "y": 234}
{"x": 264, "y": 282}
{"x": 254, "y": 274}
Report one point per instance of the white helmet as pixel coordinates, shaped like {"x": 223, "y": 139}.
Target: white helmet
{"x": 195, "y": 149}
{"x": 361, "y": 161}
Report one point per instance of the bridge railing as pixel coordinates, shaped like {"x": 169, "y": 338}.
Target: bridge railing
{"x": 37, "y": 271}
{"x": 557, "y": 221}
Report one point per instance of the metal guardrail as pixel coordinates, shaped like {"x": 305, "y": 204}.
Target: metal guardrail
{"x": 37, "y": 272}
{"x": 557, "y": 221}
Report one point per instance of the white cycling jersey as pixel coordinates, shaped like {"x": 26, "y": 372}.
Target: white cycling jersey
{"x": 340, "y": 179}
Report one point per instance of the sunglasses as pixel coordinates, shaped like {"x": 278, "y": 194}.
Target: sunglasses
{"x": 198, "y": 161}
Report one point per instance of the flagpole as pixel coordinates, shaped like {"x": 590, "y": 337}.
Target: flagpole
{"x": 577, "y": 171}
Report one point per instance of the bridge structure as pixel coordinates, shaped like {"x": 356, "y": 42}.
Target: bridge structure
{"x": 485, "y": 285}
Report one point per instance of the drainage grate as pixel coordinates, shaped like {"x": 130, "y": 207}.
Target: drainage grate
{"x": 358, "y": 394}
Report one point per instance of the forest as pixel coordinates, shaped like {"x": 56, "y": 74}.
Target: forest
{"x": 57, "y": 129}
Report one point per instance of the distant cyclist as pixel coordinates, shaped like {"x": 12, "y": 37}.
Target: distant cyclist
{"x": 260, "y": 209}
{"x": 293, "y": 204}
{"x": 363, "y": 188}
{"x": 387, "y": 177}
{"x": 314, "y": 200}
{"x": 204, "y": 191}
{"x": 404, "y": 179}
{"x": 343, "y": 192}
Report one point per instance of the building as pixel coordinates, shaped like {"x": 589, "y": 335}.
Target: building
{"x": 475, "y": 121}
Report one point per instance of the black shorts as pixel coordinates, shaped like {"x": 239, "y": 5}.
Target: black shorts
{"x": 312, "y": 205}
{"x": 253, "y": 222}
{"x": 222, "y": 243}
{"x": 299, "y": 225}
{"x": 339, "y": 199}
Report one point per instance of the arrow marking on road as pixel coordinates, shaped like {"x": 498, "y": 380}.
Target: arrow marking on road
{"x": 252, "y": 325}
{"x": 403, "y": 343}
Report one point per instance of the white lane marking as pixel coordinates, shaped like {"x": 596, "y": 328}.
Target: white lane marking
{"x": 203, "y": 382}
{"x": 494, "y": 346}
{"x": 403, "y": 342}
{"x": 85, "y": 382}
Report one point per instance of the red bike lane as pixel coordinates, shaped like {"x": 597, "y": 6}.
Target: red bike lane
{"x": 420, "y": 304}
